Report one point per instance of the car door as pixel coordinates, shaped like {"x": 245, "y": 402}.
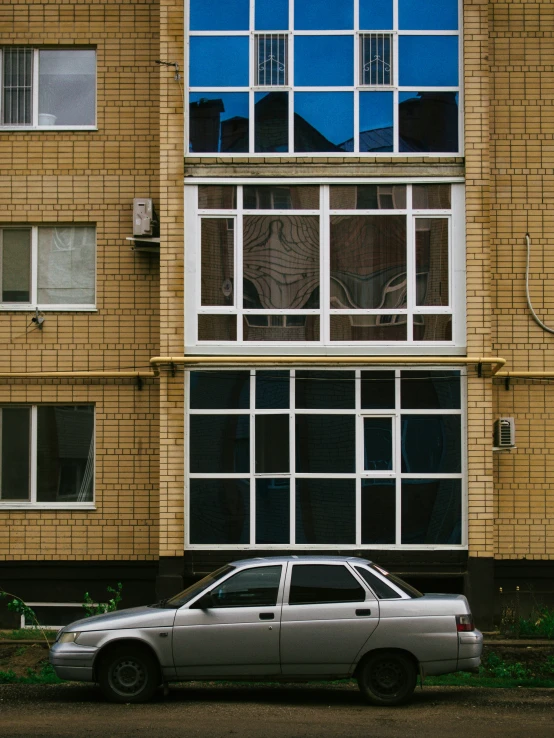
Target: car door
{"x": 233, "y": 629}
{"x": 327, "y": 617}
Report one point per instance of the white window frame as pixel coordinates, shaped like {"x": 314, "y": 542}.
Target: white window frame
{"x": 33, "y": 303}
{"x": 356, "y": 33}
{"x": 457, "y": 266}
{"x": 359, "y": 413}
{"x": 32, "y": 502}
{"x": 34, "y": 125}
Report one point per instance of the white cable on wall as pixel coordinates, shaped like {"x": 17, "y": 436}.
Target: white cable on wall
{"x": 533, "y": 313}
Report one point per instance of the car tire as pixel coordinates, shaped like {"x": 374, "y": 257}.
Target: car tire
{"x": 387, "y": 678}
{"x": 129, "y": 674}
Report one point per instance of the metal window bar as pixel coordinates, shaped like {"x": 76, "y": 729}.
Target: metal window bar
{"x": 376, "y": 53}
{"x": 17, "y": 86}
{"x": 271, "y": 59}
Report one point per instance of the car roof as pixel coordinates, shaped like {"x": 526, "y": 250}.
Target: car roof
{"x": 301, "y": 559}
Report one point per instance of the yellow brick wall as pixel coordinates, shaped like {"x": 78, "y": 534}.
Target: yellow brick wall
{"x": 92, "y": 177}
{"x": 522, "y": 152}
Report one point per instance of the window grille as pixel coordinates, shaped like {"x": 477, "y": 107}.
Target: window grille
{"x": 17, "y": 82}
{"x": 376, "y": 59}
{"x": 272, "y": 59}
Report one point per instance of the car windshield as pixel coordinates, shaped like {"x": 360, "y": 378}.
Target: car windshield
{"x": 400, "y": 583}
{"x": 187, "y": 594}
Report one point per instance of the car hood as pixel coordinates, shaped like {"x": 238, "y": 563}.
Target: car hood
{"x": 133, "y": 617}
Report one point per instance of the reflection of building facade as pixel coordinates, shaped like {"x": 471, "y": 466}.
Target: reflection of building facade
{"x": 348, "y": 272}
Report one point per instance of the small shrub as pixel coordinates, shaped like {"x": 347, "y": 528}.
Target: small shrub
{"x": 102, "y": 607}
{"x": 539, "y": 624}
{"x": 496, "y": 667}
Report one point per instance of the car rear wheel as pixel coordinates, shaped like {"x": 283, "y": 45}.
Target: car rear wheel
{"x": 387, "y": 678}
{"x": 129, "y": 674}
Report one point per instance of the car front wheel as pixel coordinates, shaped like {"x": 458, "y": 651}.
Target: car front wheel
{"x": 128, "y": 674}
{"x": 387, "y": 678}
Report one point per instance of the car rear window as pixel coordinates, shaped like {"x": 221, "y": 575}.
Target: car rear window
{"x": 382, "y": 590}
{"x": 400, "y": 583}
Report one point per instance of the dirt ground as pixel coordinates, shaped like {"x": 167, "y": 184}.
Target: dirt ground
{"x": 20, "y": 656}
{"x": 209, "y": 711}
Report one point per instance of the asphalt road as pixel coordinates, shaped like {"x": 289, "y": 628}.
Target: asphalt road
{"x": 303, "y": 711}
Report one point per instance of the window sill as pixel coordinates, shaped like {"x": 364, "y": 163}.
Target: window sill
{"x": 85, "y": 506}
{"x": 26, "y": 308}
{"x": 31, "y": 129}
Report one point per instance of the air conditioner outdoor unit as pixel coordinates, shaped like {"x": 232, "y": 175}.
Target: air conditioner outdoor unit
{"x": 504, "y": 433}
{"x": 144, "y": 217}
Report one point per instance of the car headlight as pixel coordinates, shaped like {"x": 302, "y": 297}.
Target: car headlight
{"x": 69, "y": 637}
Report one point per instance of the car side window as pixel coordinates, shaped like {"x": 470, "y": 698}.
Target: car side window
{"x": 257, "y": 587}
{"x": 313, "y": 584}
{"x": 382, "y": 590}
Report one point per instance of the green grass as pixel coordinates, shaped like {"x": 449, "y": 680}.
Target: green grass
{"x": 46, "y": 675}
{"x": 28, "y": 634}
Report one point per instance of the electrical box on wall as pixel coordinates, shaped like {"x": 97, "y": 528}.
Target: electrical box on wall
{"x": 145, "y": 222}
{"x": 504, "y": 433}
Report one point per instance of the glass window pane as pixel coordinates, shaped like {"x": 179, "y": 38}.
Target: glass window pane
{"x": 428, "y": 61}
{"x": 218, "y": 122}
{"x": 66, "y": 266}
{"x": 219, "y": 443}
{"x": 217, "y": 261}
{"x": 432, "y": 328}
{"x": 251, "y": 588}
{"x": 224, "y": 390}
{"x": 378, "y": 390}
{"x": 431, "y": 197}
{"x": 17, "y": 86}
{"x": 428, "y": 121}
{"x": 218, "y": 61}
{"x": 271, "y": 59}
{"x": 271, "y": 121}
{"x": 313, "y": 584}
{"x": 368, "y": 263}
{"x": 271, "y": 15}
{"x": 375, "y": 15}
{"x": 67, "y": 88}
{"x": 368, "y": 197}
{"x": 281, "y": 261}
{"x": 217, "y": 197}
{"x": 324, "y": 389}
{"x": 272, "y": 444}
{"x": 376, "y": 59}
{"x": 281, "y": 328}
{"x": 321, "y": 15}
{"x": 15, "y": 451}
{"x": 323, "y": 61}
{"x": 325, "y": 443}
{"x": 378, "y": 511}
{"x": 430, "y": 390}
{"x": 217, "y": 327}
{"x": 16, "y": 264}
{"x": 428, "y": 15}
{"x": 377, "y": 444}
{"x": 431, "y": 444}
{"x": 65, "y": 453}
{"x": 316, "y": 128}
{"x": 281, "y": 197}
{"x": 219, "y": 15}
{"x": 273, "y": 511}
{"x": 432, "y": 271}
{"x": 382, "y": 590}
{"x": 432, "y": 511}
{"x": 366, "y": 328}
{"x": 325, "y": 511}
{"x": 219, "y": 511}
{"x": 376, "y": 121}
{"x": 272, "y": 390}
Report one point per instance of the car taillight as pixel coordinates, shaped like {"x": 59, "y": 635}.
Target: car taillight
{"x": 464, "y": 623}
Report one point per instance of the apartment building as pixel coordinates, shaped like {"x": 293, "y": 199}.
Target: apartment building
{"x": 312, "y": 354}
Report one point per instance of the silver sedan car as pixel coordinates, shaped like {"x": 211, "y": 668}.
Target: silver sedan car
{"x": 287, "y": 618}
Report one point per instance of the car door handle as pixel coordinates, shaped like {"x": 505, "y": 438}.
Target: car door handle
{"x": 361, "y": 613}
{"x": 267, "y": 616}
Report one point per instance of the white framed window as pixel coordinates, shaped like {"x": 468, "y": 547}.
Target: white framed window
{"x": 313, "y": 76}
{"x": 46, "y": 456}
{"x": 47, "y": 88}
{"x": 303, "y": 458}
{"x": 317, "y": 267}
{"x": 53, "y": 615}
{"x": 51, "y": 267}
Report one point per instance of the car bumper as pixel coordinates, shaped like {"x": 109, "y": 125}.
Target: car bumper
{"x": 73, "y": 662}
{"x": 470, "y": 647}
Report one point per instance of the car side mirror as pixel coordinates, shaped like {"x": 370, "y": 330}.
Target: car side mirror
{"x": 204, "y": 603}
